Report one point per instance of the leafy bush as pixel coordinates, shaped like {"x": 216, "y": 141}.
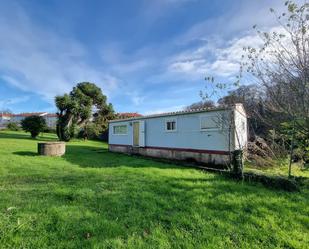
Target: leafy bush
{"x": 12, "y": 126}
{"x": 306, "y": 156}
{"x": 300, "y": 141}
{"x": 49, "y": 130}
{"x": 34, "y": 125}
{"x": 90, "y": 131}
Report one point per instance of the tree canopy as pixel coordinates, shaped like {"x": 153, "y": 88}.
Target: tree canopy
{"x": 277, "y": 100}
{"x": 281, "y": 64}
{"x": 34, "y": 125}
{"x": 75, "y": 109}
{"x": 201, "y": 105}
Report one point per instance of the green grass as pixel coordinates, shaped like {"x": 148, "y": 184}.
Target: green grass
{"x": 91, "y": 198}
{"x": 281, "y": 169}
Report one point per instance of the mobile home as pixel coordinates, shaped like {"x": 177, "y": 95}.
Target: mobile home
{"x": 203, "y": 135}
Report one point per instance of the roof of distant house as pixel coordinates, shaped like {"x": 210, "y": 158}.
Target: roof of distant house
{"x": 5, "y": 114}
{"x": 51, "y": 115}
{"x": 129, "y": 115}
{"x": 28, "y": 114}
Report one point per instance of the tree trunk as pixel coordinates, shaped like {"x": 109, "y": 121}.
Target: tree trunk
{"x": 292, "y": 148}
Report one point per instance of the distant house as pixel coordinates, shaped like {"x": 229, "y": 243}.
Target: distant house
{"x": 203, "y": 135}
{"x": 17, "y": 118}
{"x": 4, "y": 119}
{"x": 50, "y": 118}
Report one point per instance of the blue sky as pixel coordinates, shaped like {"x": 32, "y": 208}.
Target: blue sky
{"x": 148, "y": 56}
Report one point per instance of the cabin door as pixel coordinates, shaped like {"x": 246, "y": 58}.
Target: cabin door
{"x": 135, "y": 133}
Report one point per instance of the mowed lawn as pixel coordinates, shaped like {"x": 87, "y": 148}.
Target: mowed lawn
{"x": 91, "y": 198}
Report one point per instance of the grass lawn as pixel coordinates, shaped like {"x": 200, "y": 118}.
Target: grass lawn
{"x": 281, "y": 169}
{"x": 91, "y": 198}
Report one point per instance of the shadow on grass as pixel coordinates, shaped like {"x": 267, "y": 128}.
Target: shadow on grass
{"x": 42, "y": 137}
{"x": 96, "y": 157}
{"x": 25, "y": 153}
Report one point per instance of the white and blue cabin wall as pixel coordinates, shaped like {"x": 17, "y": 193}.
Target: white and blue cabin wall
{"x": 198, "y": 135}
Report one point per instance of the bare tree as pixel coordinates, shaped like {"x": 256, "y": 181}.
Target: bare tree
{"x": 281, "y": 66}
{"x": 201, "y": 105}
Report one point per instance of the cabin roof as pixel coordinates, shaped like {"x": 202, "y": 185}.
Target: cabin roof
{"x": 221, "y": 108}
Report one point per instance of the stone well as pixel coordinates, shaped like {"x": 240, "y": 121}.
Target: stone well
{"x": 51, "y": 148}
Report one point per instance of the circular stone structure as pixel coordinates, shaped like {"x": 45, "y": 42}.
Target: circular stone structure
{"x": 51, "y": 148}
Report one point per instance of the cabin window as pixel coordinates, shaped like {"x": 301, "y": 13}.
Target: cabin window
{"x": 170, "y": 125}
{"x": 120, "y": 129}
{"x": 210, "y": 123}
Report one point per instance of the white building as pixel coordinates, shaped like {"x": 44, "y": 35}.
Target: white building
{"x": 4, "y": 119}
{"x": 50, "y": 118}
{"x": 204, "y": 135}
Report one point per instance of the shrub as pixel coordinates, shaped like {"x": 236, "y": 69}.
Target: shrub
{"x": 12, "y": 126}
{"x": 306, "y": 156}
{"x": 50, "y": 130}
{"x": 34, "y": 125}
{"x": 89, "y": 131}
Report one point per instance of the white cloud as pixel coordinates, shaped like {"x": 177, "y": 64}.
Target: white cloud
{"x": 12, "y": 81}
{"x": 136, "y": 97}
{"x": 212, "y": 58}
{"x": 242, "y": 15}
{"x": 37, "y": 60}
{"x": 40, "y": 60}
{"x": 137, "y": 100}
{"x": 6, "y": 103}
{"x": 153, "y": 10}
{"x": 188, "y": 66}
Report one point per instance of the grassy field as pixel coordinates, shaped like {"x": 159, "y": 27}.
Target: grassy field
{"x": 281, "y": 168}
{"x": 91, "y": 198}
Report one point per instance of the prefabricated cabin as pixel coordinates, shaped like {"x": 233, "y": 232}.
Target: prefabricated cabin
{"x": 203, "y": 135}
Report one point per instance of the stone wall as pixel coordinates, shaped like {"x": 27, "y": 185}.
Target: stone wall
{"x": 201, "y": 157}
{"x": 51, "y": 148}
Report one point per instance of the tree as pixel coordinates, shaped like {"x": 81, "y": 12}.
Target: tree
{"x": 201, "y": 105}
{"x": 251, "y": 98}
{"x": 102, "y": 116}
{"x": 260, "y": 117}
{"x": 281, "y": 66}
{"x": 75, "y": 108}
{"x": 99, "y": 124}
{"x": 12, "y": 126}
{"x": 34, "y": 125}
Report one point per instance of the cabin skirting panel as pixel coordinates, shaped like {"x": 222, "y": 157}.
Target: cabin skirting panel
{"x": 202, "y": 156}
